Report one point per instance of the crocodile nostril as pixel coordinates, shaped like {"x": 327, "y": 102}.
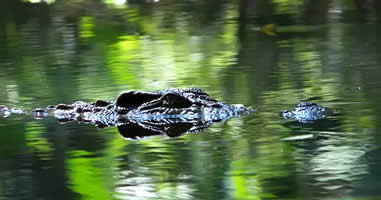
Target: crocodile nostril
{"x": 101, "y": 103}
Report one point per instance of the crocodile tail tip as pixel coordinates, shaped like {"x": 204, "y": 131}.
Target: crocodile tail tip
{"x": 286, "y": 114}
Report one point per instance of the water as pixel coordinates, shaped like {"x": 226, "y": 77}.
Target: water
{"x": 66, "y": 51}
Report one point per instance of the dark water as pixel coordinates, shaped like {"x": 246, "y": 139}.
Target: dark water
{"x": 80, "y": 50}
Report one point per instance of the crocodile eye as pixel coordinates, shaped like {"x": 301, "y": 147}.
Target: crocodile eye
{"x": 176, "y": 101}
{"x": 133, "y": 99}
{"x": 101, "y": 103}
{"x": 79, "y": 110}
{"x": 215, "y": 105}
{"x": 64, "y": 107}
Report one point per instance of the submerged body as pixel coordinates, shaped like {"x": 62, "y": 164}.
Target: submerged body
{"x": 306, "y": 112}
{"x": 162, "y": 105}
{"x": 169, "y": 111}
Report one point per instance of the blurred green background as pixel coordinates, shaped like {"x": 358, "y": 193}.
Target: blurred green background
{"x": 267, "y": 54}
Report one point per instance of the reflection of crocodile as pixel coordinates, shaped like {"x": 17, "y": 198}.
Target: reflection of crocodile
{"x": 306, "y": 112}
{"x": 137, "y": 114}
{"x": 169, "y": 112}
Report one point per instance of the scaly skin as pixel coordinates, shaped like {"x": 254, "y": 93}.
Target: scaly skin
{"x": 170, "y": 111}
{"x": 152, "y": 113}
{"x": 306, "y": 112}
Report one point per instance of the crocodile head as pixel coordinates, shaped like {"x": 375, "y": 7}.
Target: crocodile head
{"x": 171, "y": 112}
{"x": 165, "y": 102}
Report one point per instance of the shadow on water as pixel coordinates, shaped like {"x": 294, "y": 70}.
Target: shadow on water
{"x": 134, "y": 131}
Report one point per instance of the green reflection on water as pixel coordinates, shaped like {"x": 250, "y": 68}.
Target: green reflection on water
{"x": 34, "y": 139}
{"x": 88, "y": 176}
{"x": 288, "y": 6}
{"x": 123, "y": 57}
{"x": 97, "y": 50}
{"x": 86, "y": 26}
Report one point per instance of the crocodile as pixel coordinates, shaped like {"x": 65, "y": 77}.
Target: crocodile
{"x": 170, "y": 112}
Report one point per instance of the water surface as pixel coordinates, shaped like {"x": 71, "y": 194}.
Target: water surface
{"x": 66, "y": 51}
